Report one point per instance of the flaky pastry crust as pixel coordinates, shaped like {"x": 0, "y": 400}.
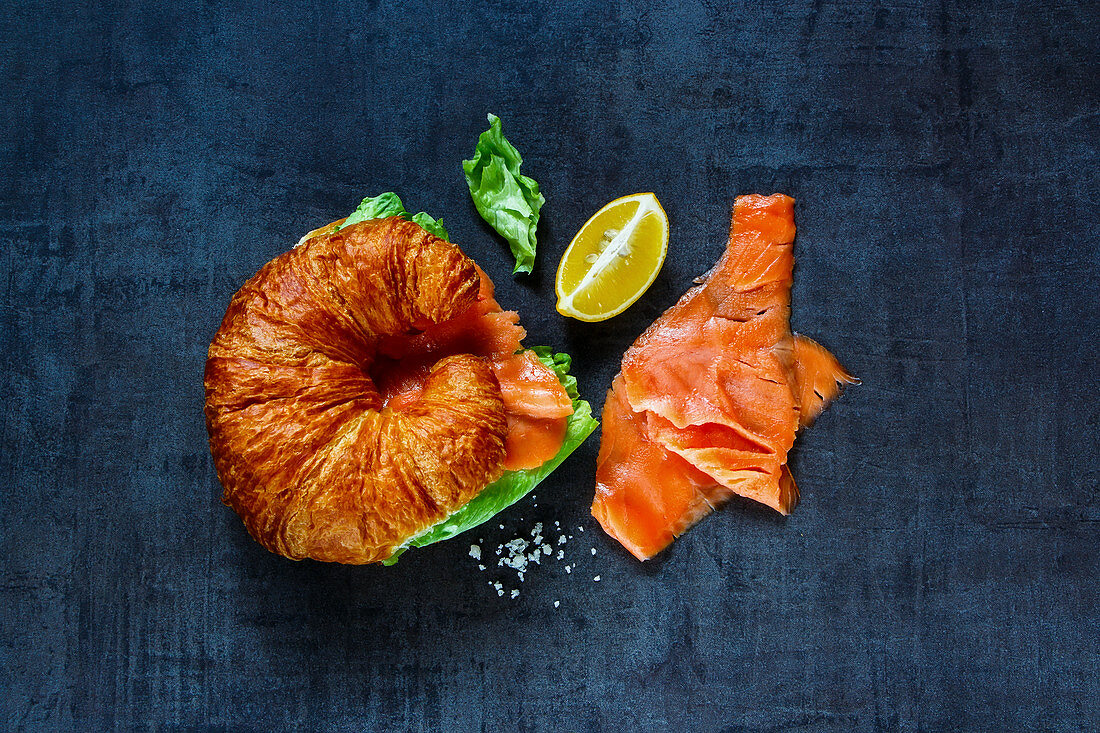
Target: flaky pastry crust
{"x": 309, "y": 456}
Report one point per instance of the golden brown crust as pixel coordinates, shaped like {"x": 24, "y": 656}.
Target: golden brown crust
{"x": 309, "y": 457}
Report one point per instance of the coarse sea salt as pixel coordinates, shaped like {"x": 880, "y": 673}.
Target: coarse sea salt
{"x": 521, "y": 553}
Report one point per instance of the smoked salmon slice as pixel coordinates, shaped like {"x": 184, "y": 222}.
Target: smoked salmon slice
{"x": 709, "y": 398}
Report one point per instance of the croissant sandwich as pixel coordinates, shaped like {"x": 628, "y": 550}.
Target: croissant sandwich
{"x": 365, "y": 393}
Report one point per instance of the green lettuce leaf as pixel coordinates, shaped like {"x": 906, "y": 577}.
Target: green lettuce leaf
{"x": 514, "y": 485}
{"x": 431, "y": 226}
{"x": 509, "y": 201}
{"x": 389, "y": 204}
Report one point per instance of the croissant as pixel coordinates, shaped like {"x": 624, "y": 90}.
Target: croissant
{"x": 315, "y": 456}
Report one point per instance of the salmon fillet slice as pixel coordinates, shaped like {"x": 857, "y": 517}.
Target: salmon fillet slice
{"x": 709, "y": 398}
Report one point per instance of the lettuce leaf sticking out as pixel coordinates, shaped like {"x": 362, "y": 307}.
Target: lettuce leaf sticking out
{"x": 514, "y": 485}
{"x": 389, "y": 204}
{"x": 508, "y": 200}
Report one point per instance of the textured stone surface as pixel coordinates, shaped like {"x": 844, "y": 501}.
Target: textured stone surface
{"x": 941, "y": 570}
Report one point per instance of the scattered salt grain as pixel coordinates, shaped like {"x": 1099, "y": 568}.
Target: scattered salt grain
{"x": 480, "y": 566}
{"x": 475, "y": 552}
{"x": 593, "y": 550}
{"x": 557, "y": 603}
{"x": 515, "y": 594}
{"x": 597, "y": 579}
{"x": 521, "y": 553}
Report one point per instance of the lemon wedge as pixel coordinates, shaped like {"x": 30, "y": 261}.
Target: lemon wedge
{"x": 614, "y": 258}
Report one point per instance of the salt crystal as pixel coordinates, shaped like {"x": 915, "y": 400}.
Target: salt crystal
{"x": 515, "y": 594}
{"x": 597, "y": 579}
{"x": 568, "y": 569}
{"x": 561, "y": 540}
{"x": 561, "y": 554}
{"x": 475, "y": 552}
{"x": 480, "y": 566}
{"x": 557, "y": 603}
{"x": 546, "y": 550}
{"x": 593, "y": 550}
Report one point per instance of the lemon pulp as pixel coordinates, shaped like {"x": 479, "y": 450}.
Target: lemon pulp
{"x": 614, "y": 258}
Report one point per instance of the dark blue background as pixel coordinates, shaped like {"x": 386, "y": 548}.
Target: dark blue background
{"x": 941, "y": 572}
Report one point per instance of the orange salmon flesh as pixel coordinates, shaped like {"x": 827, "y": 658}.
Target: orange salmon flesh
{"x": 709, "y": 398}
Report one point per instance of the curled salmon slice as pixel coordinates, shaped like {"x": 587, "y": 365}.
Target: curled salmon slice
{"x": 537, "y": 408}
{"x": 531, "y": 388}
{"x": 709, "y": 398}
